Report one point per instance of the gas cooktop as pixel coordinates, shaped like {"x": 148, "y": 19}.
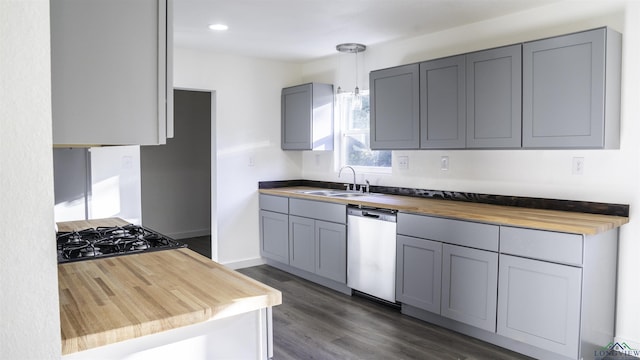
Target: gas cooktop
{"x": 104, "y": 242}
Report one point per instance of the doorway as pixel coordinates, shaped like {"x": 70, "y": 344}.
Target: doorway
{"x": 177, "y": 177}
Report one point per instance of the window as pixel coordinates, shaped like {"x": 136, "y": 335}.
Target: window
{"x": 354, "y": 140}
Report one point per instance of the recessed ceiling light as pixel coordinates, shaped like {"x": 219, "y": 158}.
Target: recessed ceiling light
{"x": 218, "y": 27}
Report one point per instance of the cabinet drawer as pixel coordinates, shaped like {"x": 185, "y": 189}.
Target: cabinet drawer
{"x": 274, "y": 203}
{"x": 458, "y": 232}
{"x": 543, "y": 245}
{"x": 318, "y": 210}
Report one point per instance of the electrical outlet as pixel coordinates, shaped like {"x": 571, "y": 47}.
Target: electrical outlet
{"x": 444, "y": 163}
{"x": 252, "y": 161}
{"x": 403, "y": 162}
{"x": 578, "y": 166}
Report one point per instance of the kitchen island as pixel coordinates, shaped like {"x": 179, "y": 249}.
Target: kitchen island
{"x": 161, "y": 303}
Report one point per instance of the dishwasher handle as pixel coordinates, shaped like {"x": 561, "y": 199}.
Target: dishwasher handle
{"x": 373, "y": 213}
{"x": 365, "y": 213}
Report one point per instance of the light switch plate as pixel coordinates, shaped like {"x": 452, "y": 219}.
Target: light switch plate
{"x": 577, "y": 167}
{"x": 403, "y": 162}
{"x": 444, "y": 163}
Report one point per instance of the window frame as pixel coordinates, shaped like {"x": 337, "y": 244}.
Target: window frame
{"x": 343, "y": 133}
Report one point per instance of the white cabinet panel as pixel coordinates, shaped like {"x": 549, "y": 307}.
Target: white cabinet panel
{"x": 111, "y": 72}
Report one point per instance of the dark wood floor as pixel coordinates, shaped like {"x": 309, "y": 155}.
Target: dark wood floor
{"x": 314, "y": 322}
{"x": 200, "y": 244}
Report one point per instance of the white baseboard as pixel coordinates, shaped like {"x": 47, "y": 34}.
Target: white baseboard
{"x": 235, "y": 265}
{"x": 189, "y": 234}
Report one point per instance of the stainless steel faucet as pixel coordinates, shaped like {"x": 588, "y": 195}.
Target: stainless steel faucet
{"x": 354, "y": 177}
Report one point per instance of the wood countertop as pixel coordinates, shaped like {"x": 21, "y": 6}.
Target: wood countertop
{"x": 103, "y": 301}
{"x": 552, "y": 220}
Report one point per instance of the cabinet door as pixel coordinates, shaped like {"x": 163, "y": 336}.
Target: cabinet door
{"x": 307, "y": 117}
{"x": 296, "y": 117}
{"x": 469, "y": 283}
{"x": 418, "y": 273}
{"x": 395, "y": 109}
{"x": 111, "y": 72}
{"x": 564, "y": 90}
{"x": 302, "y": 248}
{"x": 442, "y": 103}
{"x": 274, "y": 236}
{"x": 331, "y": 251}
{"x": 494, "y": 98}
{"x": 539, "y": 304}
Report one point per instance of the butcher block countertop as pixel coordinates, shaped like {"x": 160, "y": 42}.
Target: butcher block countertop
{"x": 103, "y": 301}
{"x": 552, "y": 220}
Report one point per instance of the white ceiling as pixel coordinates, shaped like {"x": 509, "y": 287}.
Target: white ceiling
{"x": 300, "y": 30}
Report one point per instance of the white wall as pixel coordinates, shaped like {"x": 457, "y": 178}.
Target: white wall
{"x": 29, "y": 311}
{"x": 247, "y": 131}
{"x": 609, "y": 175}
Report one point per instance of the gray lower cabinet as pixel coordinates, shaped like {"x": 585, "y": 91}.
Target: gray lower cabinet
{"x": 494, "y": 98}
{"x": 448, "y": 267}
{"x": 307, "y": 117}
{"x": 556, "y": 291}
{"x": 469, "y": 282}
{"x": 111, "y": 72}
{"x": 571, "y": 91}
{"x": 546, "y": 294}
{"x": 419, "y": 272}
{"x": 442, "y": 103}
{"x": 305, "y": 235}
{"x": 274, "y": 228}
{"x": 540, "y": 304}
{"x": 331, "y": 251}
{"x": 318, "y": 247}
{"x": 395, "y": 108}
{"x": 274, "y": 236}
{"x": 302, "y": 249}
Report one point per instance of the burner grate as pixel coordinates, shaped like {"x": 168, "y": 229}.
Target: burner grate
{"x": 102, "y": 242}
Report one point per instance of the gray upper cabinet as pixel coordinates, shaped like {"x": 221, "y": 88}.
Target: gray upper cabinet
{"x": 307, "y": 117}
{"x": 111, "y": 66}
{"x": 442, "y": 103}
{"x": 494, "y": 98}
{"x": 395, "y": 108}
{"x": 571, "y": 91}
{"x": 561, "y": 92}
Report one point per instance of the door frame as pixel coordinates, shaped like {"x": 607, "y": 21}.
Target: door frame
{"x": 214, "y": 194}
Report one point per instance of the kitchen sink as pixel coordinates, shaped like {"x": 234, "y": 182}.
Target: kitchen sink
{"x": 336, "y": 193}
{"x": 352, "y": 194}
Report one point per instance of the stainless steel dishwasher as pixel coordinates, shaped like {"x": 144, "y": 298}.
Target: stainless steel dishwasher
{"x": 371, "y": 252}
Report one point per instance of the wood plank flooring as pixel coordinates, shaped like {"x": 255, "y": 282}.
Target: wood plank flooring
{"x": 200, "y": 244}
{"x": 314, "y": 322}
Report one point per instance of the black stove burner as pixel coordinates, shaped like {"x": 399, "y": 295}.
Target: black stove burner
{"x": 110, "y": 241}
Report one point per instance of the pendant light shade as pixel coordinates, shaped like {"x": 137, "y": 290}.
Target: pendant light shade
{"x": 352, "y": 48}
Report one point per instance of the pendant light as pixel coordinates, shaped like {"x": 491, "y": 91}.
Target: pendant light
{"x": 352, "y": 48}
